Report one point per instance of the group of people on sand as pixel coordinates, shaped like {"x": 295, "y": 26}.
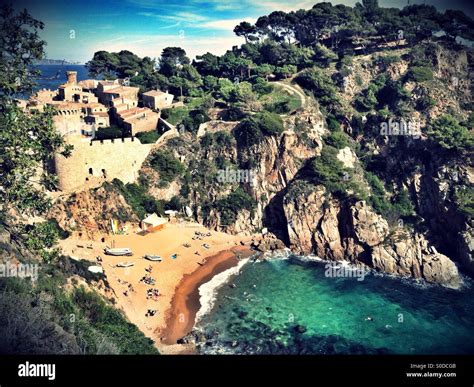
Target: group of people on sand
{"x": 129, "y": 289}
{"x": 150, "y": 312}
{"x": 148, "y": 280}
{"x": 200, "y": 235}
{"x": 153, "y": 294}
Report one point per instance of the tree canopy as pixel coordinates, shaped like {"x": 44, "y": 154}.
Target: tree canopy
{"x": 27, "y": 140}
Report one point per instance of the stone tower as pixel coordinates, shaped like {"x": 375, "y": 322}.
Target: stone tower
{"x": 71, "y": 77}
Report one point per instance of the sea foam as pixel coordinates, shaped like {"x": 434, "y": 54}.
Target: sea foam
{"x": 208, "y": 290}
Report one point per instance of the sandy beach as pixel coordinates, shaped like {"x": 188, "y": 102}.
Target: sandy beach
{"x": 186, "y": 301}
{"x": 177, "y": 280}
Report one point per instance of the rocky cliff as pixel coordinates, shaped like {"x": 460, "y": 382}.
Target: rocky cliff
{"x": 353, "y": 232}
{"x": 91, "y": 211}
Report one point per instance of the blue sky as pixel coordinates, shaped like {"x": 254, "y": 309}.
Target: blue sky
{"x": 74, "y": 30}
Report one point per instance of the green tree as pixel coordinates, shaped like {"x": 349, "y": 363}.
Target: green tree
{"x": 171, "y": 60}
{"x": 225, "y": 89}
{"x": 103, "y": 63}
{"x": 447, "y": 132}
{"x": 246, "y": 30}
{"x": 28, "y": 140}
{"x": 285, "y": 71}
{"x": 207, "y": 64}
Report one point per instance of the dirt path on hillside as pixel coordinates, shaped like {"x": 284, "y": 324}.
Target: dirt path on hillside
{"x": 293, "y": 90}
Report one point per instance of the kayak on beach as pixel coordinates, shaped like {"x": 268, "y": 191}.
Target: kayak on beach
{"x": 155, "y": 258}
{"x": 118, "y": 251}
{"x": 125, "y": 264}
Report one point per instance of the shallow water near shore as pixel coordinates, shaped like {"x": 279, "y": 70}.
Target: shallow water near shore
{"x": 290, "y": 306}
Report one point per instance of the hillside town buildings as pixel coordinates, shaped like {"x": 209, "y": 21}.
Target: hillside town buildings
{"x": 89, "y": 105}
{"x": 83, "y": 109}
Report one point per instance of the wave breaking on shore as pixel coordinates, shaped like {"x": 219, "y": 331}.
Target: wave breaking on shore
{"x": 208, "y": 290}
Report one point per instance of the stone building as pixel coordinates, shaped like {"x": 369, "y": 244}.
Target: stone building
{"x": 121, "y": 104}
{"x": 107, "y": 95}
{"x": 157, "y": 99}
{"x": 96, "y": 114}
{"x": 89, "y": 85}
{"x": 71, "y": 91}
{"x": 138, "y": 119}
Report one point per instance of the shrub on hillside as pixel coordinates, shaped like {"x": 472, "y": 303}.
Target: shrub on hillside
{"x": 321, "y": 85}
{"x": 464, "y": 199}
{"x": 230, "y": 206}
{"x": 447, "y": 132}
{"x": 337, "y": 139}
{"x": 419, "y": 74}
{"x": 137, "y": 198}
{"x": 329, "y": 171}
{"x": 254, "y": 128}
{"x": 168, "y": 166}
{"x": 148, "y": 137}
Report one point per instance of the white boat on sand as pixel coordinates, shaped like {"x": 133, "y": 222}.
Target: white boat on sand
{"x": 152, "y": 257}
{"x": 118, "y": 251}
{"x": 125, "y": 264}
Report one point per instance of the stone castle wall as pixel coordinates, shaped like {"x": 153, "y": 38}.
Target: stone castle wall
{"x": 93, "y": 162}
{"x": 70, "y": 125}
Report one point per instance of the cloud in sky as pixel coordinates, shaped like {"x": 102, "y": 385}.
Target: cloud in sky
{"x": 285, "y": 6}
{"x": 226, "y": 24}
{"x": 189, "y": 17}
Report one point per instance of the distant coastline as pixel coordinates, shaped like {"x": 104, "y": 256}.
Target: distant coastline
{"x": 58, "y": 62}
{"x": 54, "y": 74}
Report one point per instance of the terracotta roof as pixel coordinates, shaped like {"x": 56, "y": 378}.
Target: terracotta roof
{"x": 95, "y": 104}
{"x": 119, "y": 89}
{"x": 105, "y": 82}
{"x": 153, "y": 93}
{"x": 131, "y": 112}
{"x": 88, "y": 83}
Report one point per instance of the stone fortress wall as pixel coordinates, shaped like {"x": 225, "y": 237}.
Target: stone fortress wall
{"x": 93, "y": 162}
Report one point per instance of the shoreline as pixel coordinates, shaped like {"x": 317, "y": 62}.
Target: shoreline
{"x": 185, "y": 304}
{"x": 185, "y": 248}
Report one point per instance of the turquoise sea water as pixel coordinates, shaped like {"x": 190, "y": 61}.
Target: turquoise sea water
{"x": 289, "y": 306}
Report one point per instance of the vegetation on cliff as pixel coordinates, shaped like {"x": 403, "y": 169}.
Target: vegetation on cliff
{"x": 77, "y": 321}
